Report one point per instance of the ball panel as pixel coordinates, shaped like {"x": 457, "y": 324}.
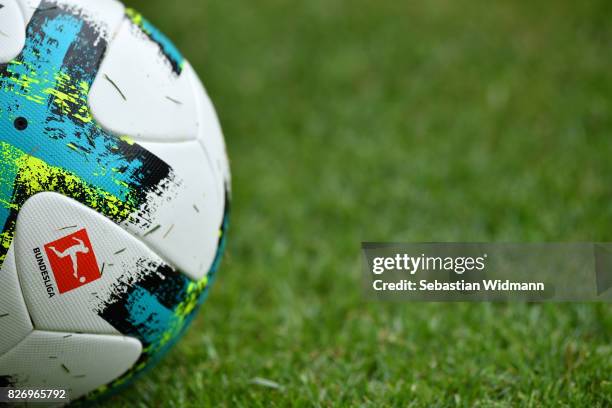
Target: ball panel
{"x": 188, "y": 225}
{"x": 184, "y": 312}
{"x": 92, "y": 263}
{"x": 15, "y": 321}
{"x": 80, "y": 362}
{"x": 129, "y": 289}
{"x": 12, "y": 26}
{"x": 140, "y": 89}
{"x": 210, "y": 135}
{"x": 62, "y": 149}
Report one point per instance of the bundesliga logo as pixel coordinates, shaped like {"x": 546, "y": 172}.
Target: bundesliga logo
{"x": 73, "y": 261}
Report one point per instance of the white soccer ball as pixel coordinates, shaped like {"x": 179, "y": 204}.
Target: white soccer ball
{"x": 114, "y": 195}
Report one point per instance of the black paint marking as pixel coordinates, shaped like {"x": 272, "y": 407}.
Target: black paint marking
{"x": 68, "y": 227}
{"x": 45, "y": 8}
{"x": 169, "y": 287}
{"x": 4, "y": 315}
{"x": 120, "y": 251}
{"x": 115, "y": 86}
{"x": 102, "y": 269}
{"x": 67, "y": 336}
{"x": 65, "y": 368}
{"x": 175, "y": 64}
{"x": 195, "y": 207}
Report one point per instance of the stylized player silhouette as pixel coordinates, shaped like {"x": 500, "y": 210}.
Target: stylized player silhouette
{"x": 72, "y": 252}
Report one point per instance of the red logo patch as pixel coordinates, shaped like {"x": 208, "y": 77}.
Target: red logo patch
{"x": 73, "y": 261}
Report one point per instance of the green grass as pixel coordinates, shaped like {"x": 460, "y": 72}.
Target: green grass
{"x": 351, "y": 121}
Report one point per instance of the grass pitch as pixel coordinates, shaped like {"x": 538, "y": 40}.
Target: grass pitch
{"x": 349, "y": 121}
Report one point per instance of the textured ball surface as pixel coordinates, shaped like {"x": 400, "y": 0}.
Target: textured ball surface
{"x": 114, "y": 195}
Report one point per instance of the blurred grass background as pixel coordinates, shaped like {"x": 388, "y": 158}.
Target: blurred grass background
{"x": 350, "y": 121}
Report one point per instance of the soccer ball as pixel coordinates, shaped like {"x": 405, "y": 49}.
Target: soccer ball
{"x": 114, "y": 195}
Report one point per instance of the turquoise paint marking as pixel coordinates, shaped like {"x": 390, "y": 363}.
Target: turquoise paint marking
{"x": 168, "y": 46}
{"x": 150, "y": 317}
{"x": 56, "y": 137}
{"x": 173, "y": 55}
